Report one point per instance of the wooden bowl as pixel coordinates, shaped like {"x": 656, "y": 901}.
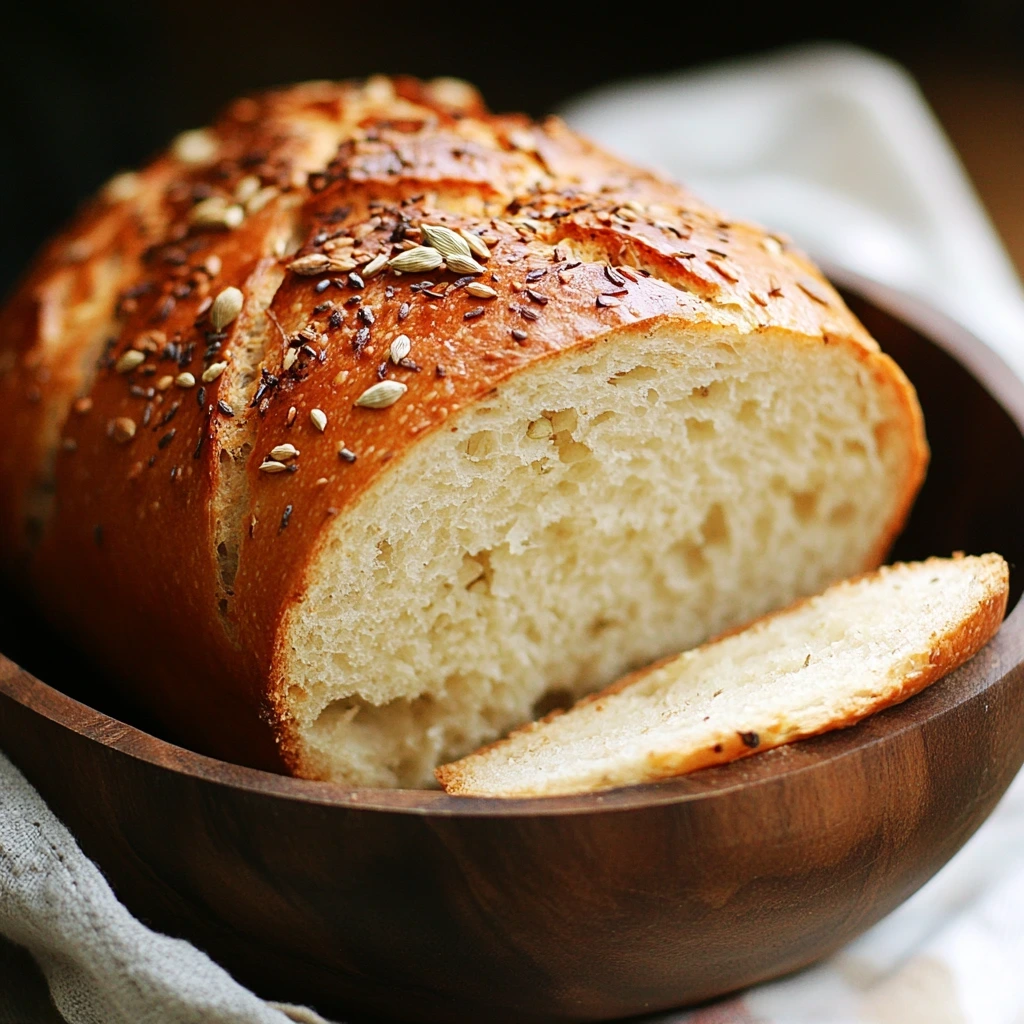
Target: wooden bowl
{"x": 426, "y": 907}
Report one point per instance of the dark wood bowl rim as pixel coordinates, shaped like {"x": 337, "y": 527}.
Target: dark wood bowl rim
{"x": 987, "y": 367}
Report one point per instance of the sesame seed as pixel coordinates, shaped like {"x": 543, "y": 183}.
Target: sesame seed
{"x": 314, "y": 263}
{"x": 283, "y": 452}
{"x": 270, "y": 466}
{"x": 376, "y": 265}
{"x": 472, "y": 314}
{"x": 198, "y": 146}
{"x": 83, "y": 405}
{"x": 285, "y": 517}
{"x": 122, "y": 429}
{"x": 539, "y": 297}
{"x": 481, "y": 291}
{"x": 129, "y": 361}
{"x": 607, "y": 300}
{"x": 346, "y": 455}
{"x": 319, "y": 419}
{"x": 226, "y": 308}
{"x": 166, "y": 439}
{"x": 164, "y": 382}
{"x": 225, "y": 408}
{"x": 211, "y": 373}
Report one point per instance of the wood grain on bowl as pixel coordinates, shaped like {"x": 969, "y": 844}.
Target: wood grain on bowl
{"x": 420, "y": 906}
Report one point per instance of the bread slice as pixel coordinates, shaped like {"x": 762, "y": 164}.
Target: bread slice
{"x": 824, "y": 663}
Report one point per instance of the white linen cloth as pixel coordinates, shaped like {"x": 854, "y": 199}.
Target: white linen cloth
{"x": 836, "y": 147}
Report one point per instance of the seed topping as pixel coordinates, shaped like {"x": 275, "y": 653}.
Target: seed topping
{"x": 381, "y": 395}
{"x": 122, "y": 430}
{"x": 400, "y": 348}
{"x": 130, "y": 360}
{"x": 417, "y": 260}
{"x": 226, "y": 307}
{"x": 283, "y": 452}
{"x": 212, "y": 372}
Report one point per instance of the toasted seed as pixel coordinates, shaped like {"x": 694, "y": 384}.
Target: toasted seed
{"x": 122, "y": 187}
{"x": 216, "y": 213}
{"x": 539, "y": 429}
{"x": 123, "y": 429}
{"x": 283, "y": 452}
{"x": 130, "y": 360}
{"x": 463, "y": 264}
{"x": 400, "y": 348}
{"x": 290, "y": 417}
{"x": 164, "y": 382}
{"x": 212, "y": 264}
{"x": 772, "y": 245}
{"x": 314, "y": 263}
{"x": 346, "y": 454}
{"x": 185, "y": 380}
{"x": 289, "y": 358}
{"x": 417, "y": 260}
{"x": 226, "y": 307}
{"x": 445, "y": 241}
{"x": 271, "y": 466}
{"x": 246, "y": 188}
{"x": 375, "y": 266}
{"x": 198, "y": 146}
{"x": 476, "y": 244}
{"x": 260, "y": 199}
{"x": 480, "y": 290}
{"x": 319, "y": 419}
{"x": 382, "y": 394}
{"x": 213, "y": 371}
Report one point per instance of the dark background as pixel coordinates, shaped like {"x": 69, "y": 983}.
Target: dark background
{"x": 97, "y": 87}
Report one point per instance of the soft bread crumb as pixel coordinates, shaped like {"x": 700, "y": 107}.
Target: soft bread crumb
{"x": 823, "y": 664}
{"x": 603, "y": 509}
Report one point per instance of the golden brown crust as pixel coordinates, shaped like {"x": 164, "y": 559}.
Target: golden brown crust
{"x": 159, "y": 491}
{"x": 948, "y": 651}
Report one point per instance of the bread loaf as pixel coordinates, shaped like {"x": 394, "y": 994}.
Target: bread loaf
{"x": 824, "y": 663}
{"x": 364, "y": 425}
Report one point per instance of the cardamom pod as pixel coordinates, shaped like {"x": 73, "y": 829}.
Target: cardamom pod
{"x": 417, "y": 260}
{"x": 445, "y": 241}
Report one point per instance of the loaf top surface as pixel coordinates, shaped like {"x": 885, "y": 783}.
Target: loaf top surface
{"x": 200, "y": 345}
